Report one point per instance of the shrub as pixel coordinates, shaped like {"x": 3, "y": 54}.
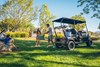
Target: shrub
{"x": 46, "y": 35}
{"x": 59, "y": 35}
{"x": 24, "y": 34}
{"x": 18, "y": 34}
{"x": 95, "y": 38}
{"x": 11, "y": 34}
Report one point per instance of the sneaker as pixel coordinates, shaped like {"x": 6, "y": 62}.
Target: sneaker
{"x": 36, "y": 46}
{"x": 9, "y": 50}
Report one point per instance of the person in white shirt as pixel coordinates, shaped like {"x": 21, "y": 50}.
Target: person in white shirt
{"x": 50, "y": 35}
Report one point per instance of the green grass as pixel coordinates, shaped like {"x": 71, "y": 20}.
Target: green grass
{"x": 30, "y": 56}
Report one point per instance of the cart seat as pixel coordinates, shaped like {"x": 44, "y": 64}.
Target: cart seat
{"x": 73, "y": 31}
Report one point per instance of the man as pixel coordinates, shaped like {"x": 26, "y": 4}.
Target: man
{"x": 50, "y": 35}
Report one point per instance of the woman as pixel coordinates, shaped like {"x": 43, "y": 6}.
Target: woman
{"x": 38, "y": 33}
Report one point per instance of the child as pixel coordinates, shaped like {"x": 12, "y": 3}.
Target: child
{"x": 9, "y": 42}
{"x": 38, "y": 33}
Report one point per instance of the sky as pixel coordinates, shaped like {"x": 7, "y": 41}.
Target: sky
{"x": 65, "y": 8}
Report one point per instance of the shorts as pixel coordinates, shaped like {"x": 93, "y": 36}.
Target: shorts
{"x": 50, "y": 37}
{"x": 2, "y": 39}
{"x": 37, "y": 37}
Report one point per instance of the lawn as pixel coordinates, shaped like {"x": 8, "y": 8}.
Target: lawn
{"x": 30, "y": 56}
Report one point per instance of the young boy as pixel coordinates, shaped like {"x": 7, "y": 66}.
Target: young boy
{"x": 9, "y": 42}
{"x": 38, "y": 33}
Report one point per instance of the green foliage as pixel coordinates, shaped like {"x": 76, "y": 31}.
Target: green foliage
{"x": 91, "y": 6}
{"x": 45, "y": 17}
{"x": 78, "y": 26}
{"x": 24, "y": 34}
{"x": 18, "y": 14}
{"x": 58, "y": 35}
{"x": 18, "y": 34}
{"x": 12, "y": 34}
{"x": 95, "y": 38}
{"x": 7, "y": 24}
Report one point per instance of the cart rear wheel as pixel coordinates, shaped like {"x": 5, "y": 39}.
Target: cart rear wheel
{"x": 71, "y": 45}
{"x": 59, "y": 45}
{"x": 89, "y": 43}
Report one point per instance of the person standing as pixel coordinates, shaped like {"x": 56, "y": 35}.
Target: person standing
{"x": 50, "y": 35}
{"x": 38, "y": 33}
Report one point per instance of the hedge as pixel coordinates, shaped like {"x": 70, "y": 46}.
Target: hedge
{"x": 18, "y": 34}
{"x": 95, "y": 38}
{"x": 59, "y": 35}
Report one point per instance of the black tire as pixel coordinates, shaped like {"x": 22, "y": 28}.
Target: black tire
{"x": 89, "y": 43}
{"x": 70, "y": 45}
{"x": 59, "y": 45}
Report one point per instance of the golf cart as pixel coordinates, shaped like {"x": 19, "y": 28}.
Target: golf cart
{"x": 71, "y": 36}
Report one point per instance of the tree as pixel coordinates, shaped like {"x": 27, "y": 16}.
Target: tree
{"x": 45, "y": 17}
{"x": 20, "y": 12}
{"x": 91, "y": 6}
{"x": 78, "y": 26}
{"x": 99, "y": 26}
{"x": 6, "y": 24}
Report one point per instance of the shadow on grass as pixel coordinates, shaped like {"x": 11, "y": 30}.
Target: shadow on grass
{"x": 39, "y": 63}
{"x": 95, "y": 45}
{"x": 77, "y": 54}
{"x": 29, "y": 46}
{"x": 12, "y": 65}
{"x": 43, "y": 63}
{"x": 26, "y": 48}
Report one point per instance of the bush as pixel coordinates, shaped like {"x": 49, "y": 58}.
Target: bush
{"x": 11, "y": 34}
{"x": 24, "y": 34}
{"x": 59, "y": 35}
{"x": 18, "y": 34}
{"x": 46, "y": 35}
{"x": 95, "y": 38}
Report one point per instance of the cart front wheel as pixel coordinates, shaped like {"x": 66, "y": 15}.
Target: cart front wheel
{"x": 71, "y": 45}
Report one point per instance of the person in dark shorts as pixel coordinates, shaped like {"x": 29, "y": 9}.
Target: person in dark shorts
{"x": 50, "y": 35}
{"x": 38, "y": 33}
